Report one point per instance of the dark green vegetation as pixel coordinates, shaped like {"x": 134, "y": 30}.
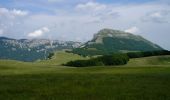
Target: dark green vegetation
{"x": 107, "y": 60}
{"x": 108, "y": 41}
{"x": 50, "y": 55}
{"x": 147, "y": 53}
{"x": 115, "y": 58}
{"x": 141, "y": 79}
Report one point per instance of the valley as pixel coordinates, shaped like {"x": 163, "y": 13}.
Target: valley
{"x": 114, "y": 65}
{"x": 84, "y": 50}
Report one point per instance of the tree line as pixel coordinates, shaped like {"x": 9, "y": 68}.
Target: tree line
{"x": 115, "y": 58}
{"x": 147, "y": 53}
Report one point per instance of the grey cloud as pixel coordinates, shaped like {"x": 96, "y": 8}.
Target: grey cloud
{"x": 162, "y": 16}
{"x": 110, "y": 15}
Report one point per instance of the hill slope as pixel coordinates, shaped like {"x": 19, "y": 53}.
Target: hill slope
{"x": 61, "y": 57}
{"x": 108, "y": 41}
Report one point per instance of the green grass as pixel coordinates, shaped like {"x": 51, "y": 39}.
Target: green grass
{"x": 62, "y": 57}
{"x": 155, "y": 60}
{"x": 141, "y": 79}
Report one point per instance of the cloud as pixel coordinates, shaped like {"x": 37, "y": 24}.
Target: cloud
{"x": 12, "y": 22}
{"x": 133, "y": 30}
{"x": 98, "y": 11}
{"x": 19, "y": 12}
{"x": 12, "y": 13}
{"x": 83, "y": 18}
{"x": 91, "y": 6}
{"x": 162, "y": 16}
{"x": 39, "y": 32}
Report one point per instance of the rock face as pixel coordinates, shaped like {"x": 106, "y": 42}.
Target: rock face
{"x": 109, "y": 41}
{"x": 31, "y": 50}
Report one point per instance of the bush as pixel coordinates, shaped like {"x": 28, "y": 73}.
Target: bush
{"x": 115, "y": 59}
{"x": 50, "y": 55}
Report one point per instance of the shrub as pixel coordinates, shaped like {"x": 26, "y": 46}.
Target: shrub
{"x": 50, "y": 55}
{"x": 115, "y": 59}
{"x": 83, "y": 63}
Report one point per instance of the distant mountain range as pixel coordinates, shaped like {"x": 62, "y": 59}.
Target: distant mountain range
{"x": 31, "y": 50}
{"x": 107, "y": 41}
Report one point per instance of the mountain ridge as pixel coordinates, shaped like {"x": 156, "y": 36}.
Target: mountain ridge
{"x": 108, "y": 41}
{"x": 31, "y": 49}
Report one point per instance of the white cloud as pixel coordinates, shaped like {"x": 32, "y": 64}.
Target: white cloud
{"x": 19, "y": 12}
{"x": 133, "y": 30}
{"x": 39, "y": 32}
{"x": 12, "y": 13}
{"x": 91, "y": 6}
{"x": 83, "y": 18}
{"x": 157, "y": 16}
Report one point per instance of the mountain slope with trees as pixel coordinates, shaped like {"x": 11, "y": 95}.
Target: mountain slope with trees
{"x": 107, "y": 41}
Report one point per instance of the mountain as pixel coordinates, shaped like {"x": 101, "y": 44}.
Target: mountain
{"x": 108, "y": 41}
{"x": 33, "y": 49}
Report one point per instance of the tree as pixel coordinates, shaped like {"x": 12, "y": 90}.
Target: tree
{"x": 50, "y": 55}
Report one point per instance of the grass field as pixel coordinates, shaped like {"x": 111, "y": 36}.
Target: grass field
{"x": 141, "y": 79}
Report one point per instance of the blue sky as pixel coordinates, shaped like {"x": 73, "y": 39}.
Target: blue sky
{"x": 47, "y": 5}
{"x": 42, "y": 5}
{"x": 79, "y": 20}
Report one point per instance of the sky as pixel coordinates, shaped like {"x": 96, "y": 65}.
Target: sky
{"x": 79, "y": 20}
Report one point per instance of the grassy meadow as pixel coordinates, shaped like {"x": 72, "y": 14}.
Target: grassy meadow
{"x": 141, "y": 79}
